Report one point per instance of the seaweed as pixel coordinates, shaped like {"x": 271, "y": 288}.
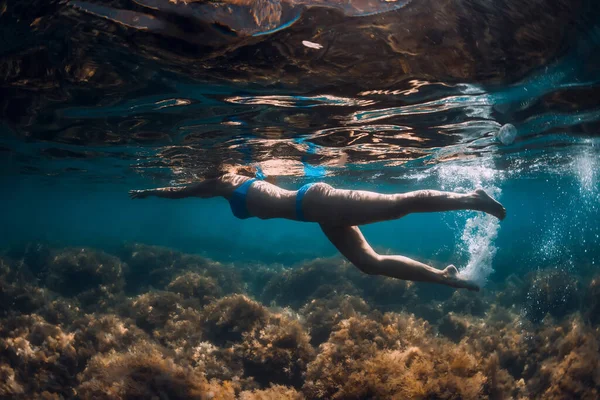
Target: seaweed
{"x": 218, "y": 363}
{"x": 226, "y": 320}
{"x": 92, "y": 277}
{"x": 184, "y": 340}
{"x": 9, "y": 387}
{"x": 569, "y": 362}
{"x": 321, "y": 315}
{"x": 191, "y": 285}
{"x": 153, "y": 310}
{"x": 592, "y": 301}
{"x": 466, "y": 302}
{"x": 20, "y": 299}
{"x": 95, "y": 334}
{"x": 149, "y": 266}
{"x": 453, "y": 327}
{"x": 275, "y": 392}
{"x": 320, "y": 278}
{"x": 509, "y": 337}
{"x": 145, "y": 372}
{"x": 60, "y": 311}
{"x": 326, "y": 278}
{"x": 31, "y": 260}
{"x": 551, "y": 291}
{"x": 154, "y": 267}
{"x": 397, "y": 357}
{"x": 353, "y": 341}
{"x": 277, "y": 352}
{"x": 41, "y": 355}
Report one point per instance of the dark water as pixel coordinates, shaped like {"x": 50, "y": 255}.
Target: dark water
{"x": 101, "y": 97}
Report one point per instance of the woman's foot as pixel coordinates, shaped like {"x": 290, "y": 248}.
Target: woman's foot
{"x": 488, "y": 205}
{"x": 451, "y": 278}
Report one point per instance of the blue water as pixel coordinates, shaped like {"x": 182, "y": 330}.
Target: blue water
{"x": 98, "y": 98}
{"x": 551, "y": 221}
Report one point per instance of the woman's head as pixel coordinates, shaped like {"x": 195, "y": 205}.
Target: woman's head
{"x": 245, "y": 170}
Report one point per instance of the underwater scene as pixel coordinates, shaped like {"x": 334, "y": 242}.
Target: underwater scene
{"x": 300, "y": 199}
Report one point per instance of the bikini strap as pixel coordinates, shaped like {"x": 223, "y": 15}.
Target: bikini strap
{"x": 260, "y": 174}
{"x": 299, "y": 196}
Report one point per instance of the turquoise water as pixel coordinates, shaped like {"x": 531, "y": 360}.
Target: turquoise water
{"x": 551, "y": 221}
{"x": 102, "y": 296}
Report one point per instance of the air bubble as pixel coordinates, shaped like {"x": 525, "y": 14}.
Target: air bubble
{"x": 507, "y": 134}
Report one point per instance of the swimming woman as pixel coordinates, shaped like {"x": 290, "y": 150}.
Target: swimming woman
{"x": 339, "y": 213}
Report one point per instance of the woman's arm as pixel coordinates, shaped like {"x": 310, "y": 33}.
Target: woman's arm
{"x": 204, "y": 189}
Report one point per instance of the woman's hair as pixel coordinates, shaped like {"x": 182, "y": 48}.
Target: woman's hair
{"x": 245, "y": 170}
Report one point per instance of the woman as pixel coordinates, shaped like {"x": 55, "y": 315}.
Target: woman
{"x": 339, "y": 212}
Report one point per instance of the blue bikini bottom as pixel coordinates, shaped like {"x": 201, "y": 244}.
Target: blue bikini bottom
{"x": 238, "y": 200}
{"x": 299, "y": 196}
{"x": 240, "y": 208}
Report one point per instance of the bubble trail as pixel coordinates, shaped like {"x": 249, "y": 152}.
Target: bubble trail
{"x": 479, "y": 232}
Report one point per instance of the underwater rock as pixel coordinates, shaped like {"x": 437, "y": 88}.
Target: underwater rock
{"x": 320, "y": 278}
{"x": 181, "y": 332}
{"x": 569, "y": 362}
{"x": 149, "y": 266}
{"x": 592, "y": 301}
{"x": 146, "y": 372}
{"x": 430, "y": 311}
{"x": 227, "y": 319}
{"x": 257, "y": 276}
{"x": 272, "y": 348}
{"x": 277, "y": 352}
{"x": 102, "y": 333}
{"x": 220, "y": 363}
{"x": 167, "y": 344}
{"x": 60, "y": 311}
{"x": 550, "y": 291}
{"x": 8, "y": 386}
{"x": 550, "y": 361}
{"x": 500, "y": 384}
{"x": 90, "y": 276}
{"x": 453, "y": 327}
{"x": 325, "y": 278}
{"x": 5, "y": 268}
{"x": 398, "y": 357}
{"x": 437, "y": 371}
{"x": 42, "y": 356}
{"x": 275, "y": 392}
{"x": 21, "y": 299}
{"x": 353, "y": 341}
{"x": 18, "y": 295}
{"x": 153, "y": 310}
{"x": 510, "y": 293}
{"x": 31, "y": 259}
{"x": 466, "y": 302}
{"x": 387, "y": 294}
{"x": 321, "y": 315}
{"x": 193, "y": 285}
{"x": 506, "y": 335}
{"x": 156, "y": 267}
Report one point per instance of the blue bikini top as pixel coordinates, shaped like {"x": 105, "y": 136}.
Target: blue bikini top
{"x": 239, "y": 208}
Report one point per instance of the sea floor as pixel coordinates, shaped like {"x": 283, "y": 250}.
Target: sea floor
{"x": 152, "y": 323}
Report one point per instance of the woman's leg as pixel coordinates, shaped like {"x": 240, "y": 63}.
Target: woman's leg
{"x": 350, "y": 241}
{"x": 336, "y": 207}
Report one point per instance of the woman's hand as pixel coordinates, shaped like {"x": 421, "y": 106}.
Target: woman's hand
{"x": 141, "y": 194}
